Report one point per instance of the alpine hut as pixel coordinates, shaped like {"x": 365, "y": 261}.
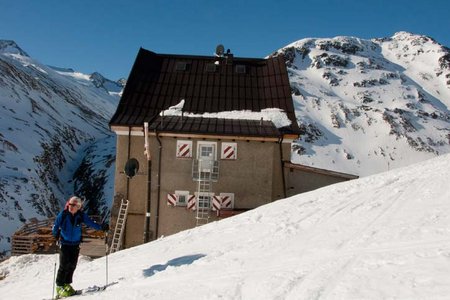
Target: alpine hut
{"x": 200, "y": 138}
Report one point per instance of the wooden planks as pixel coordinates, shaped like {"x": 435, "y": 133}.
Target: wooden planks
{"x": 36, "y": 237}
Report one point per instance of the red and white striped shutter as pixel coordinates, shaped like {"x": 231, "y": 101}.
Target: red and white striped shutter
{"x": 184, "y": 149}
{"x": 216, "y": 203}
{"x": 227, "y": 200}
{"x": 192, "y": 201}
{"x": 172, "y": 199}
{"x": 229, "y": 151}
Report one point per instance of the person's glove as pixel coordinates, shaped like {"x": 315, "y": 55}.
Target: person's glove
{"x": 56, "y": 239}
{"x": 105, "y": 226}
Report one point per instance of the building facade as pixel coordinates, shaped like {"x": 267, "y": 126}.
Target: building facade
{"x": 206, "y": 141}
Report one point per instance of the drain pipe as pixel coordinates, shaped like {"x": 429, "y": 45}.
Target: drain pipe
{"x": 159, "y": 183}
{"x": 149, "y": 185}
{"x": 280, "y": 141}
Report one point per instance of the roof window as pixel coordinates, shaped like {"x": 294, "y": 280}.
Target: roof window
{"x": 241, "y": 69}
{"x": 181, "y": 66}
{"x": 210, "y": 68}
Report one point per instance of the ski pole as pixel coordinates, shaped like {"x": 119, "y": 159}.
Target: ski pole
{"x": 54, "y": 270}
{"x": 106, "y": 255}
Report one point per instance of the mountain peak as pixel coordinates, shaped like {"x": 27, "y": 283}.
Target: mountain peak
{"x": 10, "y": 47}
{"x": 110, "y": 86}
{"x": 414, "y": 39}
{"x": 97, "y": 78}
{"x": 348, "y": 86}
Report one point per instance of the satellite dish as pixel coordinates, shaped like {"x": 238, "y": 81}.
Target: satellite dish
{"x": 220, "y": 50}
{"x": 131, "y": 167}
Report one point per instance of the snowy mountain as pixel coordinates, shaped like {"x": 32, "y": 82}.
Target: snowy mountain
{"x": 54, "y": 139}
{"x": 384, "y": 236}
{"x": 366, "y": 106}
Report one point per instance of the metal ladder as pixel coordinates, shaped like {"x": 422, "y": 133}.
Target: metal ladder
{"x": 205, "y": 169}
{"x": 120, "y": 225}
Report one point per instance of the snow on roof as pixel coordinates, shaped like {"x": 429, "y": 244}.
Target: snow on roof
{"x": 277, "y": 116}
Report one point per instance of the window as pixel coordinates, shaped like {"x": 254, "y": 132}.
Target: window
{"x": 210, "y": 68}
{"x": 204, "y": 201}
{"x": 182, "y": 197}
{"x": 241, "y": 69}
{"x": 181, "y": 66}
{"x": 206, "y": 150}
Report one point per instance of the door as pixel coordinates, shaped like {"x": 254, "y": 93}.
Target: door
{"x": 206, "y": 156}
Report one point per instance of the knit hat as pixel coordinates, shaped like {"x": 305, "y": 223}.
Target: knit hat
{"x": 73, "y": 200}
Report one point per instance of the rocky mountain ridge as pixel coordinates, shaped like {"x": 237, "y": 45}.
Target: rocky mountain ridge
{"x": 54, "y": 139}
{"x": 10, "y": 47}
{"x": 366, "y": 106}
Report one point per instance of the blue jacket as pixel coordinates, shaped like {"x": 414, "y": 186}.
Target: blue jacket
{"x": 68, "y": 227}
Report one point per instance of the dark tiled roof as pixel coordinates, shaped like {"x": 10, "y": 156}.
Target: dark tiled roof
{"x": 231, "y": 127}
{"x": 158, "y": 81}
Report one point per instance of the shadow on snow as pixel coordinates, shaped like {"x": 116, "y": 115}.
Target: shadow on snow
{"x": 176, "y": 262}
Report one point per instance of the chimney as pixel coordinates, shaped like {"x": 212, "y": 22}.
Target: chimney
{"x": 229, "y": 57}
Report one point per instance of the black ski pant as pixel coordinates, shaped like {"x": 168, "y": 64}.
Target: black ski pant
{"x": 68, "y": 258}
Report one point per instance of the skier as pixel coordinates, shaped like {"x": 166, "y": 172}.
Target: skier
{"x": 67, "y": 230}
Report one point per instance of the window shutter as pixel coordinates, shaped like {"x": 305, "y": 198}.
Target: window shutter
{"x": 192, "y": 201}
{"x": 227, "y": 200}
{"x": 172, "y": 199}
{"x": 229, "y": 151}
{"x": 184, "y": 149}
{"x": 216, "y": 203}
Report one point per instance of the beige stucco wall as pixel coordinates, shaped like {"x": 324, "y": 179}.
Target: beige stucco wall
{"x": 249, "y": 177}
{"x": 278, "y": 191}
{"x": 136, "y": 192}
{"x": 254, "y": 177}
{"x": 299, "y": 181}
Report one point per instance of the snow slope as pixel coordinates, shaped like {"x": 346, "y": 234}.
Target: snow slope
{"x": 385, "y": 236}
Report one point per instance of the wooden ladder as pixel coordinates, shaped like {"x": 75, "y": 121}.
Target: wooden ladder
{"x": 120, "y": 226}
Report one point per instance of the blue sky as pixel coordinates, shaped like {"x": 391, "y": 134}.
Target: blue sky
{"x": 105, "y": 36}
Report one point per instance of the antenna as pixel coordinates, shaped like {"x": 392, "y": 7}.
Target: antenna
{"x": 220, "y": 50}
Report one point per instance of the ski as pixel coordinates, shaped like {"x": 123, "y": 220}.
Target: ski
{"x": 95, "y": 288}
{"x": 87, "y": 291}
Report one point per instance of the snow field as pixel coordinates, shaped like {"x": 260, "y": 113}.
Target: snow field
{"x": 385, "y": 236}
